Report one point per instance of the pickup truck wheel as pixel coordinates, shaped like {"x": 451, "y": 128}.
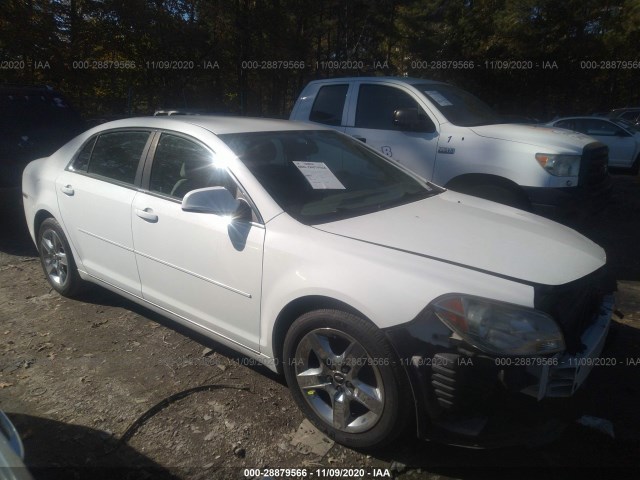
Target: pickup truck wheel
{"x": 56, "y": 259}
{"x": 498, "y": 193}
{"x": 346, "y": 378}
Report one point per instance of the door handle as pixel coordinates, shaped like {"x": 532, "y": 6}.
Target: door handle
{"x": 147, "y": 214}
{"x": 67, "y": 190}
{"x": 362, "y": 139}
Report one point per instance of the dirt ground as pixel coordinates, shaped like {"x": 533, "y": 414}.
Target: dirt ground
{"x": 77, "y": 376}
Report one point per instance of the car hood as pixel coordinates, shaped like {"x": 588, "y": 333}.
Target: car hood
{"x": 481, "y": 235}
{"x": 536, "y": 135}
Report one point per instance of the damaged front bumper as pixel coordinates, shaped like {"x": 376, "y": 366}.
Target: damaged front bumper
{"x": 563, "y": 376}
{"x": 470, "y": 398}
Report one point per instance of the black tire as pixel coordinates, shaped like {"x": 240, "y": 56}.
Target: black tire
{"x": 498, "y": 193}
{"x": 362, "y": 399}
{"x": 57, "y": 260}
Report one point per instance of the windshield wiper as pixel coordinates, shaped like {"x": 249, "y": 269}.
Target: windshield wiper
{"x": 356, "y": 198}
{"x": 405, "y": 197}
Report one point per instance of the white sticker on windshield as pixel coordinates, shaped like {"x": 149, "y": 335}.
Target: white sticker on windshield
{"x": 319, "y": 176}
{"x": 438, "y": 97}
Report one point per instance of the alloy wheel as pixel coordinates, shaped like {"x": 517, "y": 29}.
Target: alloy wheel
{"x": 339, "y": 380}
{"x": 54, "y": 258}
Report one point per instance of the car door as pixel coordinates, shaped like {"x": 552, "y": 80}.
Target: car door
{"x": 373, "y": 123}
{"x": 94, "y": 196}
{"x": 621, "y": 143}
{"x": 199, "y": 266}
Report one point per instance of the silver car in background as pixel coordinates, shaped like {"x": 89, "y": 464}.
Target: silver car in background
{"x": 621, "y": 136}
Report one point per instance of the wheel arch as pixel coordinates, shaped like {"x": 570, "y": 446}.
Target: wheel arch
{"x": 295, "y": 309}
{"x": 492, "y": 187}
{"x": 469, "y": 179}
{"x": 40, "y": 217}
{"x": 299, "y": 306}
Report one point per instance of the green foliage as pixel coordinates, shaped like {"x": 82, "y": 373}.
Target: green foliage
{"x": 237, "y": 55}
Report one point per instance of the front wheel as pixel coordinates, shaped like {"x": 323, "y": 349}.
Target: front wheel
{"x": 345, "y": 377}
{"x": 57, "y": 260}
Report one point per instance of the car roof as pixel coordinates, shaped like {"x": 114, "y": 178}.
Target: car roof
{"x": 218, "y": 125}
{"x": 407, "y": 80}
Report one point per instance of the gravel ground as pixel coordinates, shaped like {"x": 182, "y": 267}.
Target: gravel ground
{"x": 77, "y": 376}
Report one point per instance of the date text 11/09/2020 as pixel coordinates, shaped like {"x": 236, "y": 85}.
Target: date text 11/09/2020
{"x": 350, "y": 362}
{"x": 322, "y": 472}
{"x": 426, "y": 361}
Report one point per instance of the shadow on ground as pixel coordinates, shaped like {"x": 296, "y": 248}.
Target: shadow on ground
{"x": 89, "y": 453}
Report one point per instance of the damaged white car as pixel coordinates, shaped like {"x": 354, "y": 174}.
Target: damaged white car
{"x": 384, "y": 299}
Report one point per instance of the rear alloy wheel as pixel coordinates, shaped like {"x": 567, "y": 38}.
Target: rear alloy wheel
{"x": 57, "y": 260}
{"x": 345, "y": 377}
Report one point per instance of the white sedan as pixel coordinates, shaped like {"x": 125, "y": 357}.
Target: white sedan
{"x": 622, "y": 138}
{"x": 385, "y": 300}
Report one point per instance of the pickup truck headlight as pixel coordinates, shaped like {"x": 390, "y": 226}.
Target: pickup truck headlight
{"x": 500, "y": 328}
{"x": 559, "y": 165}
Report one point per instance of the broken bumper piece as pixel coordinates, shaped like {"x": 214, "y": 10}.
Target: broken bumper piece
{"x": 468, "y": 398}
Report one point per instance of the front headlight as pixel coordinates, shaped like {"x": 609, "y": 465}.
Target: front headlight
{"x": 498, "y": 327}
{"x": 559, "y": 165}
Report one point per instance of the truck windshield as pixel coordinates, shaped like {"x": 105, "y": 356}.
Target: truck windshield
{"x": 459, "y": 107}
{"x": 322, "y": 176}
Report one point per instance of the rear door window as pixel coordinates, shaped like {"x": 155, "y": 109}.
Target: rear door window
{"x": 116, "y": 155}
{"x": 329, "y": 105}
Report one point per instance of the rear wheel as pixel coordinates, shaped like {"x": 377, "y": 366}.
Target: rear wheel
{"x": 56, "y": 259}
{"x": 345, "y": 377}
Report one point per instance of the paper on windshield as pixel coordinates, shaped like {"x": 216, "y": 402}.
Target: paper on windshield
{"x": 319, "y": 176}
{"x": 438, "y": 97}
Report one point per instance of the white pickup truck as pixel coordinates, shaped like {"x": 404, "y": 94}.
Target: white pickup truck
{"x": 451, "y": 138}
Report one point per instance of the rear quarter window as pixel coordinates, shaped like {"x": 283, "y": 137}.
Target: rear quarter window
{"x": 81, "y": 162}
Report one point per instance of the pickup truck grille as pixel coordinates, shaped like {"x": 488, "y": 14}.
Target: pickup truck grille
{"x": 575, "y": 305}
{"x": 595, "y": 160}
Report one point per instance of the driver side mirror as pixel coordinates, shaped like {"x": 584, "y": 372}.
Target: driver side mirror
{"x": 411, "y": 120}
{"x": 218, "y": 201}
